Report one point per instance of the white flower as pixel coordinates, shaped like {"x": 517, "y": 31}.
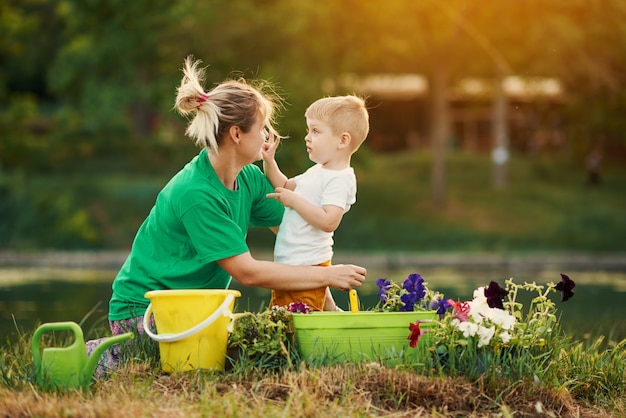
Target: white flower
{"x": 501, "y": 318}
{"x": 467, "y": 328}
{"x": 484, "y": 335}
{"x": 505, "y": 337}
{"x": 479, "y": 294}
{"x": 478, "y": 310}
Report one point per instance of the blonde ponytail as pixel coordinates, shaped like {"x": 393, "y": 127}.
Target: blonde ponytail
{"x": 190, "y": 99}
{"x": 231, "y": 103}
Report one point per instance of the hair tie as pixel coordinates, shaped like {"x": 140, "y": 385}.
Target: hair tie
{"x": 202, "y": 99}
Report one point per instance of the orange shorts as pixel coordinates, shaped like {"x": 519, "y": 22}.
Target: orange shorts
{"x": 314, "y": 298}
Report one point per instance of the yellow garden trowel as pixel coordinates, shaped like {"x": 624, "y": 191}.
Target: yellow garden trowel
{"x": 354, "y": 301}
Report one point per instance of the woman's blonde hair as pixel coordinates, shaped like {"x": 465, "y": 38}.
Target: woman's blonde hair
{"x": 343, "y": 114}
{"x": 230, "y": 103}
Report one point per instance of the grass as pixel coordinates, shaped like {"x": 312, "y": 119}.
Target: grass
{"x": 564, "y": 378}
{"x": 546, "y": 205}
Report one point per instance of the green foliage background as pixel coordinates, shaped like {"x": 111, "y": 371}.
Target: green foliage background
{"x": 88, "y": 135}
{"x": 548, "y": 206}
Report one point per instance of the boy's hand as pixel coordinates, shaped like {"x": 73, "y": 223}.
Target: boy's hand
{"x": 268, "y": 151}
{"x": 284, "y": 196}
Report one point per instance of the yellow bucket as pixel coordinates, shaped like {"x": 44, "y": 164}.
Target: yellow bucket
{"x": 192, "y": 327}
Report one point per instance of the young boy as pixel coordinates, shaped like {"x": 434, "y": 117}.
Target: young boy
{"x": 316, "y": 200}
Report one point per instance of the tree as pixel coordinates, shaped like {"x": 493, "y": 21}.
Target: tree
{"x": 590, "y": 38}
{"x": 445, "y": 41}
{"x": 24, "y": 95}
{"x": 116, "y": 64}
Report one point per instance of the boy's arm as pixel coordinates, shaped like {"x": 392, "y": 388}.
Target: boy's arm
{"x": 330, "y": 304}
{"x": 327, "y": 218}
{"x": 275, "y": 176}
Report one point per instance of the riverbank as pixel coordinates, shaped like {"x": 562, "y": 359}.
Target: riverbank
{"x": 36, "y": 285}
{"x": 513, "y": 262}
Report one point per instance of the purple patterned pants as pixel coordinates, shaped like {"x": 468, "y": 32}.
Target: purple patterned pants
{"x": 110, "y": 358}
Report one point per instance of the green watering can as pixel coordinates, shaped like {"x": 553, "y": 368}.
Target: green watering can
{"x": 68, "y": 367}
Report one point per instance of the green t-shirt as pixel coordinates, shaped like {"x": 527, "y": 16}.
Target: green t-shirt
{"x": 195, "y": 221}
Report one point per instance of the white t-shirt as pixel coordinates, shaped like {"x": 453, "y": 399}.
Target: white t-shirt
{"x": 298, "y": 242}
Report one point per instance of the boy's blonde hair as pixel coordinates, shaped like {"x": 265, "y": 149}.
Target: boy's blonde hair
{"x": 230, "y": 103}
{"x": 342, "y": 114}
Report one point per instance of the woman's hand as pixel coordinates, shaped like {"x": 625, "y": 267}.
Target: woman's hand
{"x": 346, "y": 276}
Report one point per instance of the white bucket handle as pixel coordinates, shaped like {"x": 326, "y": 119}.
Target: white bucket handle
{"x": 169, "y": 338}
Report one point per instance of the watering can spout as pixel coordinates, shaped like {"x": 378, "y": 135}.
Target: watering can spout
{"x": 92, "y": 361}
{"x": 69, "y": 366}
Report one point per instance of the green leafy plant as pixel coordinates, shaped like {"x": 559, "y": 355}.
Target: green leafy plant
{"x": 262, "y": 340}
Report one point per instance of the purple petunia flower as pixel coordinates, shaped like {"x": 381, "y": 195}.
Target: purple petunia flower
{"x": 409, "y": 300}
{"x": 565, "y": 287}
{"x": 441, "y": 305}
{"x": 414, "y": 284}
{"x": 495, "y": 295}
{"x": 384, "y": 285}
{"x": 299, "y": 307}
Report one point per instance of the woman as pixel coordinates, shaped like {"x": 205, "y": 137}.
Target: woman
{"x": 195, "y": 235}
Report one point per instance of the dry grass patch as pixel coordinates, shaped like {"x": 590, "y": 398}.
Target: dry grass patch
{"x": 365, "y": 390}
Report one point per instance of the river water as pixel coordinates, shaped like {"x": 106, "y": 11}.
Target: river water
{"x": 50, "y": 287}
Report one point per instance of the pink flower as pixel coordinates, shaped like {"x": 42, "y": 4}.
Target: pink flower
{"x": 460, "y": 310}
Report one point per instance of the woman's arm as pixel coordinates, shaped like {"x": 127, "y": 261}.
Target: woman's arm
{"x": 267, "y": 274}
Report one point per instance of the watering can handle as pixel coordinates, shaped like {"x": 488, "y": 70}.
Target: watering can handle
{"x": 53, "y": 326}
{"x": 170, "y": 338}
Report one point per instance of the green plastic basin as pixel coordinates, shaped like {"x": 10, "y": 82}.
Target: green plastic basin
{"x": 362, "y": 336}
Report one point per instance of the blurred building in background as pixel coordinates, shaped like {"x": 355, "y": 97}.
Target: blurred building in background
{"x": 400, "y": 111}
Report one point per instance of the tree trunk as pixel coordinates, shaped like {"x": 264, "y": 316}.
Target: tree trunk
{"x": 500, "y": 151}
{"x": 439, "y": 135}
